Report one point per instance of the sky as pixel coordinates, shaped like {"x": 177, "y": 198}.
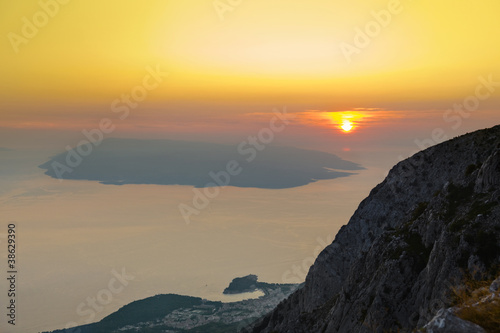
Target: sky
{"x": 223, "y": 61}
{"x": 370, "y": 81}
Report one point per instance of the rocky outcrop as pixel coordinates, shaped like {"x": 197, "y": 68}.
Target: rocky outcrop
{"x": 489, "y": 176}
{"x": 445, "y": 321}
{"x": 482, "y": 304}
{"x": 433, "y": 220}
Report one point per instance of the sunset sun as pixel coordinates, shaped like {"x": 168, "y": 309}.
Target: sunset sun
{"x": 346, "y": 126}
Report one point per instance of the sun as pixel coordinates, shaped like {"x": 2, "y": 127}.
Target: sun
{"x": 346, "y": 126}
{"x": 344, "y": 122}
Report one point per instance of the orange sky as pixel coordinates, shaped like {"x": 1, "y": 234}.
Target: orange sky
{"x": 63, "y": 65}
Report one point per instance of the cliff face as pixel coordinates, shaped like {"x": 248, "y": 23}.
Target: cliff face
{"x": 433, "y": 220}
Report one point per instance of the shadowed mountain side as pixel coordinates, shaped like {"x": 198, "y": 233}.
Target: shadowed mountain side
{"x": 427, "y": 234}
{"x": 169, "y": 162}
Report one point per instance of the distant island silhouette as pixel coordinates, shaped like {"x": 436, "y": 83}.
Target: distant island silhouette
{"x": 200, "y": 164}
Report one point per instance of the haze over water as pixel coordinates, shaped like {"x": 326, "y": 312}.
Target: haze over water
{"x": 73, "y": 233}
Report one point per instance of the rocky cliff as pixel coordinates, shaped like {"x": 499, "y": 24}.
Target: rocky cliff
{"x": 434, "y": 221}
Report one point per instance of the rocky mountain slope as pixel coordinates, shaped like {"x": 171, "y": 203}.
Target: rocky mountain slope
{"x": 433, "y": 222}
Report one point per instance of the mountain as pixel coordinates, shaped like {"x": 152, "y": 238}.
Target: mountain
{"x": 200, "y": 164}
{"x": 427, "y": 234}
